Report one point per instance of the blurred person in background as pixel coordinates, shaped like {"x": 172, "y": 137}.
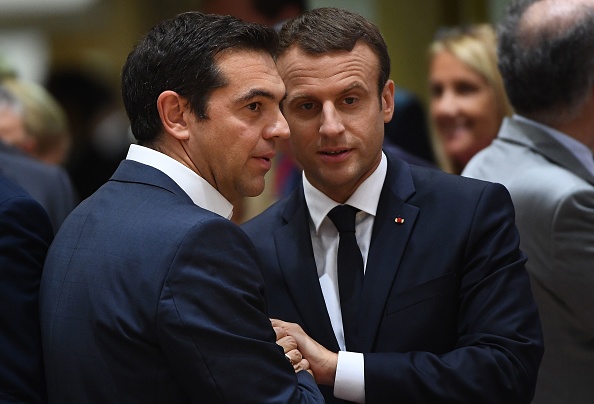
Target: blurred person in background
{"x": 467, "y": 97}
{"x": 544, "y": 156}
{"x": 41, "y": 128}
{"x": 49, "y": 184}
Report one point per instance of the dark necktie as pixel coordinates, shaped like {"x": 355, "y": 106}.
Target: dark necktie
{"x": 350, "y": 270}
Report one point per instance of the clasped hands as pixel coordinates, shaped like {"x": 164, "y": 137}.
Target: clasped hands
{"x": 305, "y": 353}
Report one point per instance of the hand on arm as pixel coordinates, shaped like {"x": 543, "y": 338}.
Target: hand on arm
{"x": 219, "y": 342}
{"x": 293, "y": 354}
{"x": 321, "y": 361}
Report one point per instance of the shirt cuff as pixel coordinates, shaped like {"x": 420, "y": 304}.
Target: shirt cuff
{"x": 349, "y": 383}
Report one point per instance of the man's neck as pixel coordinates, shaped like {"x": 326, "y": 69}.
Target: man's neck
{"x": 581, "y": 127}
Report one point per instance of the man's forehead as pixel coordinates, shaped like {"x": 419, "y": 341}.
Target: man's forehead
{"x": 297, "y": 48}
{"x": 341, "y": 70}
{"x": 295, "y": 55}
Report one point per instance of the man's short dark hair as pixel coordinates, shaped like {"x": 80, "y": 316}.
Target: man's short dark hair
{"x": 547, "y": 67}
{"x": 325, "y": 30}
{"x": 179, "y": 54}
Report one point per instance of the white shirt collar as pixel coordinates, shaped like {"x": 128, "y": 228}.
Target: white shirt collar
{"x": 198, "y": 189}
{"x": 577, "y": 148}
{"x": 365, "y": 198}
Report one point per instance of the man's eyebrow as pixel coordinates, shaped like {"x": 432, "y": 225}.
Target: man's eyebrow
{"x": 354, "y": 85}
{"x": 294, "y": 97}
{"x": 300, "y": 96}
{"x": 253, "y": 93}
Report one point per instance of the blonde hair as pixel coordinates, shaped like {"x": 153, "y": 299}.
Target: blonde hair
{"x": 44, "y": 120}
{"x": 475, "y": 46}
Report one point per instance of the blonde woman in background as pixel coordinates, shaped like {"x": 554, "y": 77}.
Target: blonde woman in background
{"x": 39, "y": 126}
{"x": 467, "y": 97}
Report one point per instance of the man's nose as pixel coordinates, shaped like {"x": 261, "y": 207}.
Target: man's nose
{"x": 331, "y": 123}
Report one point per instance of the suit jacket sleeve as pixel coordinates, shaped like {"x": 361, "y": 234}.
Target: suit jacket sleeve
{"x": 25, "y": 235}
{"x": 499, "y": 342}
{"x": 213, "y": 327}
{"x": 572, "y": 243}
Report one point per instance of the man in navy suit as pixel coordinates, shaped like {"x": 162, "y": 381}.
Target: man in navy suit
{"x": 25, "y": 235}
{"x": 445, "y": 311}
{"x": 149, "y": 293}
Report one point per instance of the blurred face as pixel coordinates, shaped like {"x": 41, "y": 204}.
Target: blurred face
{"x": 12, "y": 128}
{"x": 233, "y": 149}
{"x": 336, "y": 116}
{"x": 463, "y": 108}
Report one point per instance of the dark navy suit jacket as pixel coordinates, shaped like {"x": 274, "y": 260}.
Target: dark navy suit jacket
{"x": 48, "y": 184}
{"x": 25, "y": 235}
{"x": 148, "y": 298}
{"x": 446, "y": 315}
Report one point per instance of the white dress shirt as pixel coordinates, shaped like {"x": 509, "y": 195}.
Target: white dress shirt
{"x": 198, "y": 189}
{"x": 578, "y": 149}
{"x": 349, "y": 383}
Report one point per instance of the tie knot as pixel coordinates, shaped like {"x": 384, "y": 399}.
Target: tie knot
{"x": 343, "y": 217}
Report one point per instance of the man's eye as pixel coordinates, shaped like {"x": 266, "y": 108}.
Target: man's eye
{"x": 254, "y": 106}
{"x": 307, "y": 106}
{"x": 350, "y": 100}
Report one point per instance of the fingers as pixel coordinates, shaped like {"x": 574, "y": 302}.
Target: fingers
{"x": 288, "y": 343}
{"x": 294, "y": 356}
{"x": 302, "y": 365}
{"x": 321, "y": 361}
{"x": 285, "y": 326}
{"x": 298, "y": 361}
{"x": 279, "y": 331}
{"x": 276, "y": 323}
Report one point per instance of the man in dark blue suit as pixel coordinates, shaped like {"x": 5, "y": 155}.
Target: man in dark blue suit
{"x": 440, "y": 308}
{"x": 149, "y": 293}
{"x": 25, "y": 235}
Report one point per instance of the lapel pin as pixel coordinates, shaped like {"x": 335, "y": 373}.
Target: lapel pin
{"x": 399, "y": 220}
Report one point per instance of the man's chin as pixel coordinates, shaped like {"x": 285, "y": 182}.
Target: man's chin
{"x": 254, "y": 189}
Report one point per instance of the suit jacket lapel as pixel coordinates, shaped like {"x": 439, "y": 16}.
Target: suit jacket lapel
{"x": 542, "y": 143}
{"x": 297, "y": 263}
{"x": 388, "y": 241}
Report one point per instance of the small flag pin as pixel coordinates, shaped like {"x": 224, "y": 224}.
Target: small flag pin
{"x": 399, "y": 220}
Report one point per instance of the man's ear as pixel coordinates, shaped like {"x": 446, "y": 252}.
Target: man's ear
{"x": 388, "y": 101}
{"x": 174, "y": 111}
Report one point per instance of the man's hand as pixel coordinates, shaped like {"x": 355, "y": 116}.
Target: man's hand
{"x": 321, "y": 361}
{"x": 293, "y": 354}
